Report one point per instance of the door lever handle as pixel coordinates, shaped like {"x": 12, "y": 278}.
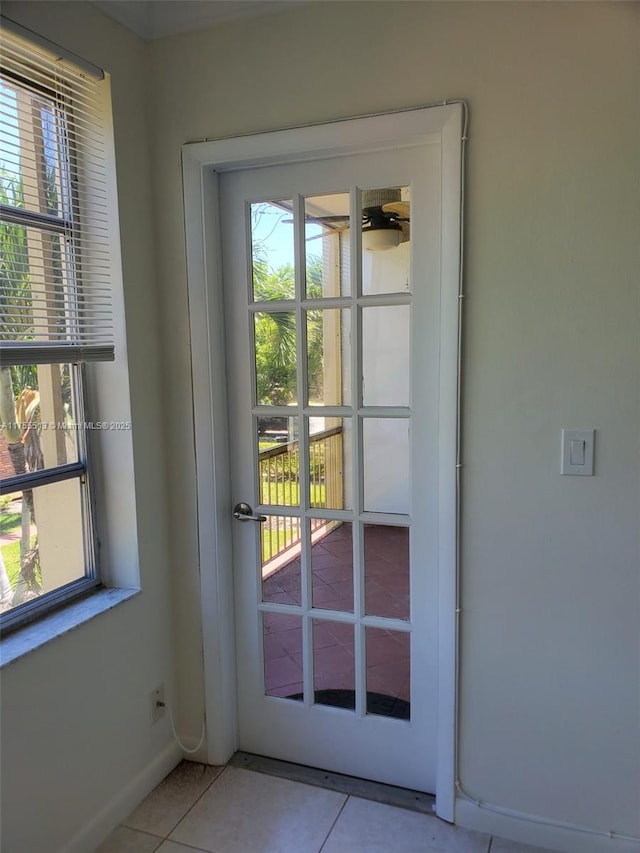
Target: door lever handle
{"x": 244, "y": 512}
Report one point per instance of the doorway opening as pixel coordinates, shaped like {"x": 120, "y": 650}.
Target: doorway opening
{"x": 303, "y": 462}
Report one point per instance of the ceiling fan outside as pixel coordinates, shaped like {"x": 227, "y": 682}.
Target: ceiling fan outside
{"x": 385, "y": 218}
{"x": 381, "y": 209}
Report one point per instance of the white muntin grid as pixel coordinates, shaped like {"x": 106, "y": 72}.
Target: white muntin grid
{"x": 301, "y": 411}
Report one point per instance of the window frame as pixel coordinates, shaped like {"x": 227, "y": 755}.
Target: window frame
{"x": 64, "y": 225}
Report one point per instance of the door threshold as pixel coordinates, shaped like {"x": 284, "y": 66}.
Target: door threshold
{"x": 391, "y": 795}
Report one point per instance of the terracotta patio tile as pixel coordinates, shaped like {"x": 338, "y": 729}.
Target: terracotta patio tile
{"x": 342, "y": 532}
{"x": 281, "y": 598}
{"x": 291, "y": 584}
{"x": 340, "y": 605}
{"x": 384, "y": 649}
{"x": 282, "y": 671}
{"x": 385, "y": 604}
{"x": 340, "y": 549}
{"x": 271, "y": 585}
{"x": 343, "y": 589}
{"x": 322, "y": 637}
{"x": 395, "y": 585}
{"x": 376, "y": 567}
{"x": 324, "y": 560}
{"x": 388, "y": 679}
{"x": 291, "y": 569}
{"x": 334, "y": 681}
{"x": 323, "y": 592}
{"x": 333, "y": 659}
{"x": 286, "y": 690}
{"x": 342, "y": 631}
{"x": 276, "y": 622}
{"x": 273, "y": 648}
{"x": 336, "y": 572}
{"x": 290, "y": 640}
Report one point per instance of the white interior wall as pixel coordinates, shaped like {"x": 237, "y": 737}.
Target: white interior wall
{"x": 549, "y": 652}
{"x": 78, "y": 749}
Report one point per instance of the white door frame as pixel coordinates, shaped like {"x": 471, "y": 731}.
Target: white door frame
{"x": 200, "y": 163}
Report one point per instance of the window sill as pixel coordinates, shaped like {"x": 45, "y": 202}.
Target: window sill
{"x": 25, "y": 640}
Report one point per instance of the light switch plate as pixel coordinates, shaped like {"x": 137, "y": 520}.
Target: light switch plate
{"x": 574, "y": 440}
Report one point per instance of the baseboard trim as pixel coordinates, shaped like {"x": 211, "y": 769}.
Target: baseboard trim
{"x": 472, "y": 816}
{"x": 125, "y": 801}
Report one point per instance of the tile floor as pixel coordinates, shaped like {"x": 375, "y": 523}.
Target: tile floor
{"x": 234, "y": 810}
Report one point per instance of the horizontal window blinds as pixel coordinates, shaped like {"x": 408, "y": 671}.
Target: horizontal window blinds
{"x": 55, "y": 265}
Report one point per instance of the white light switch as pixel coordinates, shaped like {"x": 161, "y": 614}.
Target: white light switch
{"x": 577, "y": 452}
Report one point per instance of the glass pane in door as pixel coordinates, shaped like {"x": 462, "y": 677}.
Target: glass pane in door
{"x": 334, "y": 674}
{"x": 278, "y": 460}
{"x": 282, "y": 647}
{"x": 388, "y": 673}
{"x": 332, "y": 565}
{"x": 328, "y": 356}
{"x": 385, "y": 355}
{"x": 330, "y": 471}
{"x": 386, "y": 215}
{"x": 272, "y": 250}
{"x": 280, "y": 541}
{"x": 327, "y": 245}
{"x": 386, "y": 465}
{"x": 275, "y": 336}
{"x": 386, "y": 570}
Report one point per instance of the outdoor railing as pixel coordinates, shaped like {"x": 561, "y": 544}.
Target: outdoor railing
{"x": 279, "y": 481}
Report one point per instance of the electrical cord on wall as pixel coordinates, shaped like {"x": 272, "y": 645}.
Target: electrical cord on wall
{"x": 460, "y": 790}
{"x": 542, "y": 821}
{"x": 185, "y": 749}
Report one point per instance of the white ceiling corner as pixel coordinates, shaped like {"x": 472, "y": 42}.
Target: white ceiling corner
{"x": 153, "y": 19}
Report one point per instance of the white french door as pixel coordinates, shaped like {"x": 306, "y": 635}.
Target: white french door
{"x": 331, "y": 287}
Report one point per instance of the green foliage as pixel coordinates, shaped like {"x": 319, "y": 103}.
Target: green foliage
{"x": 15, "y": 285}
{"x": 280, "y": 493}
{"x": 15, "y": 281}
{"x": 23, "y": 376}
{"x": 9, "y": 521}
{"x": 11, "y": 557}
{"x": 15, "y": 278}
{"x": 11, "y": 189}
{"x": 315, "y": 342}
{"x": 275, "y": 334}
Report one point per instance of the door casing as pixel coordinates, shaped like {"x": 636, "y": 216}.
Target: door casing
{"x": 201, "y": 163}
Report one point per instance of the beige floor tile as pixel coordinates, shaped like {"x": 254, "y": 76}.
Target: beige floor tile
{"x": 368, "y": 827}
{"x": 167, "y": 804}
{"x": 503, "y": 845}
{"x": 125, "y": 840}
{"x": 247, "y": 812}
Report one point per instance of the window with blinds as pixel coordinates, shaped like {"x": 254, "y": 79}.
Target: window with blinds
{"x": 55, "y": 316}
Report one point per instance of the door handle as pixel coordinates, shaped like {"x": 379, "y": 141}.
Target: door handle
{"x": 244, "y": 512}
